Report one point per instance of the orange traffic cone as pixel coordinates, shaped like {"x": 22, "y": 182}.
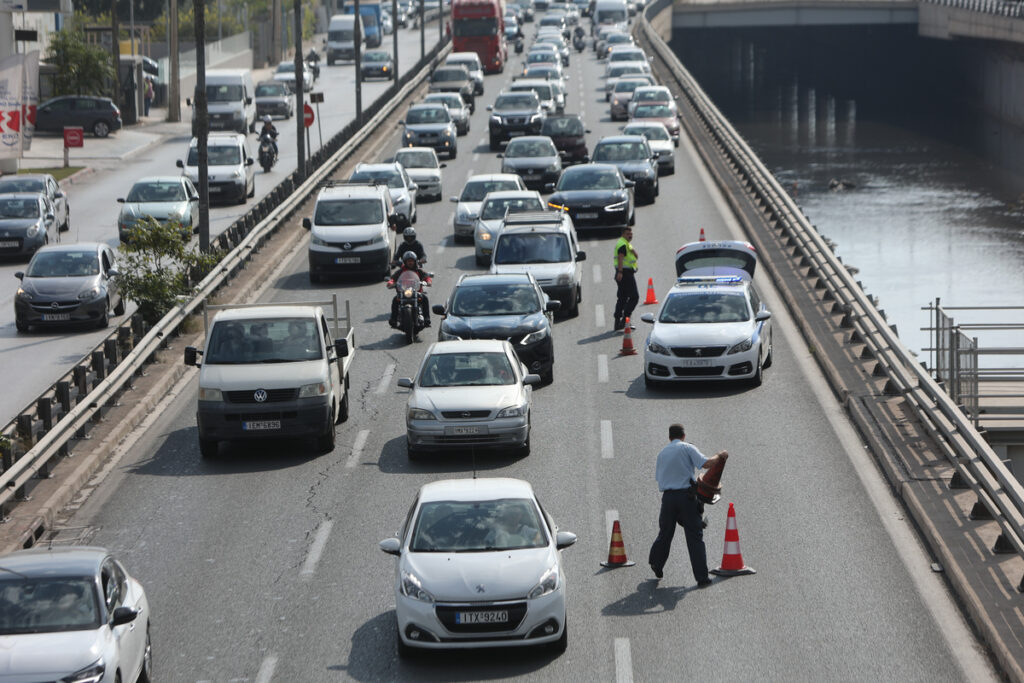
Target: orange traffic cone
{"x": 627, "y": 341}
{"x": 732, "y": 559}
{"x": 709, "y": 488}
{"x": 702, "y": 239}
{"x": 616, "y": 550}
{"x": 651, "y": 299}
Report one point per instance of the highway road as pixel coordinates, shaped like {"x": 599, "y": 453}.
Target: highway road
{"x": 34, "y": 361}
{"x": 263, "y": 565}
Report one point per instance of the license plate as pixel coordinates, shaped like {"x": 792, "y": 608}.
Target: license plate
{"x": 586, "y": 215}
{"x": 8, "y": 244}
{"x": 531, "y": 176}
{"x": 497, "y": 616}
{"x": 466, "y": 430}
{"x": 213, "y": 189}
{"x": 53, "y": 317}
{"x": 702, "y": 363}
{"x": 258, "y": 425}
{"x": 346, "y": 259}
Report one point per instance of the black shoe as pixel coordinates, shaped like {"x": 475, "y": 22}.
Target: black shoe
{"x": 657, "y": 572}
{"x": 705, "y": 583}
{"x": 393, "y": 324}
{"x": 619, "y": 325}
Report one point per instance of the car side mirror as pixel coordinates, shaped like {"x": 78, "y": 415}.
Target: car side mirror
{"x": 192, "y": 356}
{"x": 48, "y": 218}
{"x": 341, "y": 347}
{"x": 552, "y": 306}
{"x": 307, "y": 224}
{"x": 443, "y": 166}
{"x": 438, "y": 309}
{"x": 762, "y": 315}
{"x": 531, "y": 379}
{"x": 120, "y": 200}
{"x": 59, "y": 194}
{"x": 564, "y": 539}
{"x": 20, "y": 275}
{"x": 248, "y": 101}
{"x": 249, "y": 162}
{"x": 405, "y": 382}
{"x": 500, "y": 155}
{"x": 401, "y": 122}
{"x": 188, "y": 102}
{"x": 179, "y": 163}
{"x": 647, "y": 317}
{"x": 629, "y": 183}
{"x": 113, "y": 272}
{"x": 392, "y": 546}
{"x": 490, "y": 107}
{"x": 581, "y": 256}
{"x": 454, "y": 199}
{"x": 123, "y": 615}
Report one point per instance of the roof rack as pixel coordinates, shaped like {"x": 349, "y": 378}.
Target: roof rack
{"x": 708, "y": 280}
{"x": 533, "y": 218}
{"x": 361, "y": 183}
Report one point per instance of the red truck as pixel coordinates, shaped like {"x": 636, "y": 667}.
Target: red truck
{"x": 479, "y": 26}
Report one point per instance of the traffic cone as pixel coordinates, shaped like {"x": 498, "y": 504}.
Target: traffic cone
{"x": 702, "y": 239}
{"x": 708, "y": 487}
{"x": 732, "y": 559}
{"x": 627, "y": 341}
{"x": 651, "y": 299}
{"x": 616, "y": 550}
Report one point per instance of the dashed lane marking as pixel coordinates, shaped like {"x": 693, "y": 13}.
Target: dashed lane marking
{"x": 266, "y": 672}
{"x": 597, "y": 274}
{"x": 386, "y": 379}
{"x": 316, "y": 550}
{"x": 357, "y": 448}
{"x": 607, "y": 446}
{"x": 602, "y": 368}
{"x": 623, "y": 661}
{"x": 599, "y": 315}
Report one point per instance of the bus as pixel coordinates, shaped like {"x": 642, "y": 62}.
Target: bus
{"x": 479, "y": 26}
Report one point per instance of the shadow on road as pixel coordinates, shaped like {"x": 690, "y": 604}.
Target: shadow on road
{"x": 394, "y": 460}
{"x": 650, "y": 597}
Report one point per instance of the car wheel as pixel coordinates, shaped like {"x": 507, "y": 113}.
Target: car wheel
{"x": 632, "y": 218}
{"x": 20, "y": 325}
{"x": 482, "y": 262}
{"x": 573, "y": 309}
{"x": 771, "y": 354}
{"x": 413, "y": 454}
{"x": 208, "y": 448}
{"x": 549, "y": 376}
{"x": 104, "y": 320}
{"x": 119, "y": 308}
{"x": 325, "y": 443}
{"x": 758, "y": 377}
{"x": 343, "y": 409}
{"x": 562, "y": 644}
{"x": 101, "y": 129}
{"x": 405, "y": 651}
{"x": 314, "y": 278}
{"x": 495, "y": 144}
{"x": 252, "y": 191}
{"x": 452, "y": 154}
{"x": 146, "y": 675}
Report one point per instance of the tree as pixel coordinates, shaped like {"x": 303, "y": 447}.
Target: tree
{"x": 82, "y": 69}
{"x": 155, "y": 267}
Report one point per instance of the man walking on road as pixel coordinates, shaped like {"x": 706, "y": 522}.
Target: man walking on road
{"x": 675, "y": 472}
{"x": 627, "y": 296}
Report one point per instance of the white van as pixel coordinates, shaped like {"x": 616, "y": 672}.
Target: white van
{"x": 230, "y": 167}
{"x": 272, "y": 370}
{"x": 230, "y": 100}
{"x": 610, "y": 12}
{"x": 341, "y": 41}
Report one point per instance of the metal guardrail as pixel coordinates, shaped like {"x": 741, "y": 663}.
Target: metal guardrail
{"x": 62, "y": 413}
{"x": 1000, "y": 8}
{"x": 975, "y": 464}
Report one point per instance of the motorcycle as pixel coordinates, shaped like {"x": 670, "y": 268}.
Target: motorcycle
{"x": 409, "y": 290}
{"x": 313, "y": 63}
{"x": 519, "y": 45}
{"x": 579, "y": 43}
{"x": 268, "y": 154}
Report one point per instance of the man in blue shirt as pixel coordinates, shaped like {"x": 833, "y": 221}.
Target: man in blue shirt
{"x": 675, "y": 472}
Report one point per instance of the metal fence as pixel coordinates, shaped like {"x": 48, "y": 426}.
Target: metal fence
{"x": 1002, "y": 8}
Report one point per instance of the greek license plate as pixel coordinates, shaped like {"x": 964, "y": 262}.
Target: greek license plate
{"x": 213, "y": 189}
{"x": 697, "y": 363}
{"x": 466, "y": 430}
{"x": 258, "y": 425}
{"x": 498, "y": 616}
{"x": 7, "y": 244}
{"x": 346, "y": 259}
{"x": 53, "y": 317}
{"x": 532, "y": 176}
{"x": 586, "y": 215}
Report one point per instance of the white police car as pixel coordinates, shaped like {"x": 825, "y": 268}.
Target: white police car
{"x": 713, "y": 323}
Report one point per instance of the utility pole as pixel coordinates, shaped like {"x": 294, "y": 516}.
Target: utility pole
{"x": 394, "y": 37}
{"x": 423, "y": 30}
{"x": 174, "y": 86}
{"x": 275, "y": 32}
{"x": 300, "y": 67}
{"x": 358, "y": 55}
{"x": 201, "y": 126}
{"x": 115, "y": 51}
{"x": 440, "y": 21}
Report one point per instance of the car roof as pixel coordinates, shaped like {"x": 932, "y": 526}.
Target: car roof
{"x": 430, "y": 105}
{"x": 55, "y": 561}
{"x": 528, "y": 82}
{"x": 467, "y": 346}
{"x": 480, "y": 279}
{"x": 21, "y": 195}
{"x": 490, "y": 177}
{"x": 513, "y": 194}
{"x": 72, "y": 246}
{"x": 159, "y": 179}
{"x": 611, "y": 139}
{"x": 584, "y": 168}
{"x": 414, "y": 149}
{"x": 656, "y": 88}
{"x": 26, "y": 176}
{"x": 484, "y": 488}
{"x": 381, "y": 166}
{"x": 356, "y": 190}
{"x": 261, "y": 312}
{"x": 440, "y": 96}
{"x": 532, "y": 138}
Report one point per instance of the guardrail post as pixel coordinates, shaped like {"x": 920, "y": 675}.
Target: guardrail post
{"x": 7, "y": 460}
{"x": 980, "y": 512}
{"x": 24, "y": 431}
{"x": 138, "y": 326}
{"x": 957, "y": 481}
{"x": 110, "y": 351}
{"x": 45, "y": 410}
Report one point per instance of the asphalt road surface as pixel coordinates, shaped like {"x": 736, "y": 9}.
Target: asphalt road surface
{"x": 227, "y": 549}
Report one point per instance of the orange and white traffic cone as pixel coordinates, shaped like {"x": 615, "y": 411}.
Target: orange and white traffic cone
{"x": 651, "y": 299}
{"x": 732, "y": 559}
{"x": 627, "y": 341}
{"x": 616, "y": 550}
{"x": 702, "y": 238}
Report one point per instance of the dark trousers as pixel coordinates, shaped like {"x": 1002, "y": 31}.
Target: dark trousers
{"x": 424, "y": 309}
{"x": 626, "y": 296}
{"x": 681, "y": 507}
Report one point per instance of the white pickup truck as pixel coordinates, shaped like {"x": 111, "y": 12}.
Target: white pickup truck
{"x": 273, "y": 371}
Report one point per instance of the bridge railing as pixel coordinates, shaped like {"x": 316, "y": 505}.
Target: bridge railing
{"x": 974, "y": 463}
{"x": 998, "y": 7}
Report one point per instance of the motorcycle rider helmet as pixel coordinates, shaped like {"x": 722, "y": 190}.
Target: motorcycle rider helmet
{"x": 409, "y": 234}
{"x": 266, "y": 118}
{"x": 409, "y": 256}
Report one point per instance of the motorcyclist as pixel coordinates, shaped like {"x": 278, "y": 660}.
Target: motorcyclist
{"x": 409, "y": 263}
{"x": 409, "y": 243}
{"x": 578, "y": 38}
{"x": 269, "y": 129}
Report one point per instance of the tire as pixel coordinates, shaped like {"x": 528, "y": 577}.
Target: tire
{"x": 252, "y": 192}
{"x": 549, "y": 376}
{"x": 326, "y": 442}
{"x": 101, "y": 129}
{"x": 454, "y": 153}
{"x": 314, "y": 279}
{"x": 413, "y": 454}
{"x": 104, "y": 320}
{"x": 146, "y": 675}
{"x": 405, "y": 651}
{"x": 20, "y": 325}
{"x": 482, "y": 262}
{"x": 408, "y": 325}
{"x": 495, "y": 144}
{"x": 573, "y": 309}
{"x": 524, "y": 450}
{"x": 119, "y": 308}
{"x": 266, "y": 168}
{"x": 652, "y": 384}
{"x": 758, "y": 377}
{"x": 343, "y": 408}
{"x": 208, "y": 448}
{"x": 632, "y": 218}
{"x": 771, "y": 353}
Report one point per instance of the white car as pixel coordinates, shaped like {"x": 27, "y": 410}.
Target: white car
{"x": 467, "y": 204}
{"x": 401, "y": 187}
{"x": 713, "y": 324}
{"x": 72, "y": 614}
{"x": 285, "y": 72}
{"x": 479, "y": 565}
{"x": 423, "y": 167}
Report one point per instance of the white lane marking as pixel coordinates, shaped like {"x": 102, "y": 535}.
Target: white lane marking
{"x": 610, "y": 517}
{"x": 266, "y": 671}
{"x": 597, "y": 274}
{"x": 440, "y": 247}
{"x": 316, "y": 549}
{"x": 357, "y": 448}
{"x": 386, "y": 379}
{"x": 623, "y": 661}
{"x": 469, "y": 174}
{"x": 602, "y": 368}
{"x": 607, "y": 446}
{"x": 599, "y": 315}
{"x": 483, "y": 141}
{"x": 476, "y": 157}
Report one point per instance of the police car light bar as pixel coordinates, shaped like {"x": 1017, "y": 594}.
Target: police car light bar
{"x": 709, "y": 280}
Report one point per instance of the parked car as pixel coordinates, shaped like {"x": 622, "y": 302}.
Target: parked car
{"x": 273, "y": 98}
{"x": 164, "y": 198}
{"x": 98, "y": 115}
{"x": 26, "y": 219}
{"x": 45, "y": 183}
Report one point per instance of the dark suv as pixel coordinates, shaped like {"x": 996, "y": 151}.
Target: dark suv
{"x": 510, "y": 306}
{"x": 633, "y": 156}
{"x": 99, "y": 115}
{"x": 568, "y": 134}
{"x": 514, "y": 113}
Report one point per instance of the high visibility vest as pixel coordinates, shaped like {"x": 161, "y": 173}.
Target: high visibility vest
{"x": 629, "y": 260}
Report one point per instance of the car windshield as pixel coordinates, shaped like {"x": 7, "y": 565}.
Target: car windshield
{"x": 466, "y": 370}
{"x": 271, "y": 90}
{"x": 221, "y": 155}
{"x": 494, "y": 209}
{"x": 652, "y": 111}
{"x": 471, "y": 63}
{"x": 341, "y": 35}
{"x": 286, "y": 68}
{"x": 543, "y": 91}
{"x": 452, "y": 101}
{"x": 19, "y": 208}
{"x": 376, "y": 57}
{"x": 622, "y": 55}
{"x": 280, "y": 340}
{"x": 618, "y": 70}
{"x": 541, "y": 57}
{"x": 705, "y": 307}
{"x": 530, "y": 148}
{"x": 349, "y": 212}
{"x": 562, "y": 125}
{"x": 627, "y": 86}
{"x": 156, "y": 192}
{"x": 588, "y": 179}
{"x": 496, "y": 299}
{"x": 48, "y": 605}
{"x": 652, "y": 96}
{"x": 417, "y": 159}
{"x": 466, "y": 28}
{"x": 649, "y": 132}
{"x": 392, "y": 177}
{"x": 531, "y": 248}
{"x": 15, "y": 184}
{"x": 223, "y": 93}
{"x": 428, "y": 115}
{"x": 63, "y": 264}
{"x": 516, "y": 101}
{"x": 476, "y": 190}
{"x": 620, "y": 151}
{"x": 477, "y": 526}
{"x": 449, "y": 75}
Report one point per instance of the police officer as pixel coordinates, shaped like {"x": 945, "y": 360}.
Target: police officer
{"x": 675, "y": 472}
{"x": 627, "y": 296}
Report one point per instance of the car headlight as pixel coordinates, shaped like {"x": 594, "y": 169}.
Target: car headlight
{"x": 317, "y": 241}
{"x": 402, "y": 201}
{"x": 89, "y": 294}
{"x": 548, "y": 583}
{"x": 554, "y": 168}
{"x": 312, "y": 390}
{"x": 535, "y": 118}
{"x": 90, "y": 674}
{"x": 741, "y": 347}
{"x": 210, "y": 394}
{"x": 448, "y": 336}
{"x": 617, "y": 206}
{"x": 411, "y": 587}
{"x": 420, "y": 414}
{"x": 23, "y": 295}
{"x": 377, "y": 239}
{"x": 512, "y": 411}
{"x": 32, "y": 231}
{"x": 484, "y": 236}
{"x": 408, "y": 135}
{"x": 175, "y": 216}
{"x": 534, "y": 336}
{"x": 655, "y": 347}
{"x": 563, "y": 279}
{"x": 496, "y": 119}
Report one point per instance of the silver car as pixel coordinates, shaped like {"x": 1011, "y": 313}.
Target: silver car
{"x": 73, "y": 614}
{"x": 45, "y": 183}
{"x": 422, "y": 166}
{"x": 401, "y": 187}
{"x": 274, "y": 98}
{"x": 660, "y": 142}
{"x": 25, "y": 222}
{"x": 469, "y": 394}
{"x": 457, "y": 108}
{"x": 164, "y": 198}
{"x": 476, "y": 188}
{"x": 495, "y": 207}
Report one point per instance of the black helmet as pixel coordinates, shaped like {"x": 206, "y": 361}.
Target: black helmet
{"x": 409, "y": 255}
{"x": 409, "y": 234}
